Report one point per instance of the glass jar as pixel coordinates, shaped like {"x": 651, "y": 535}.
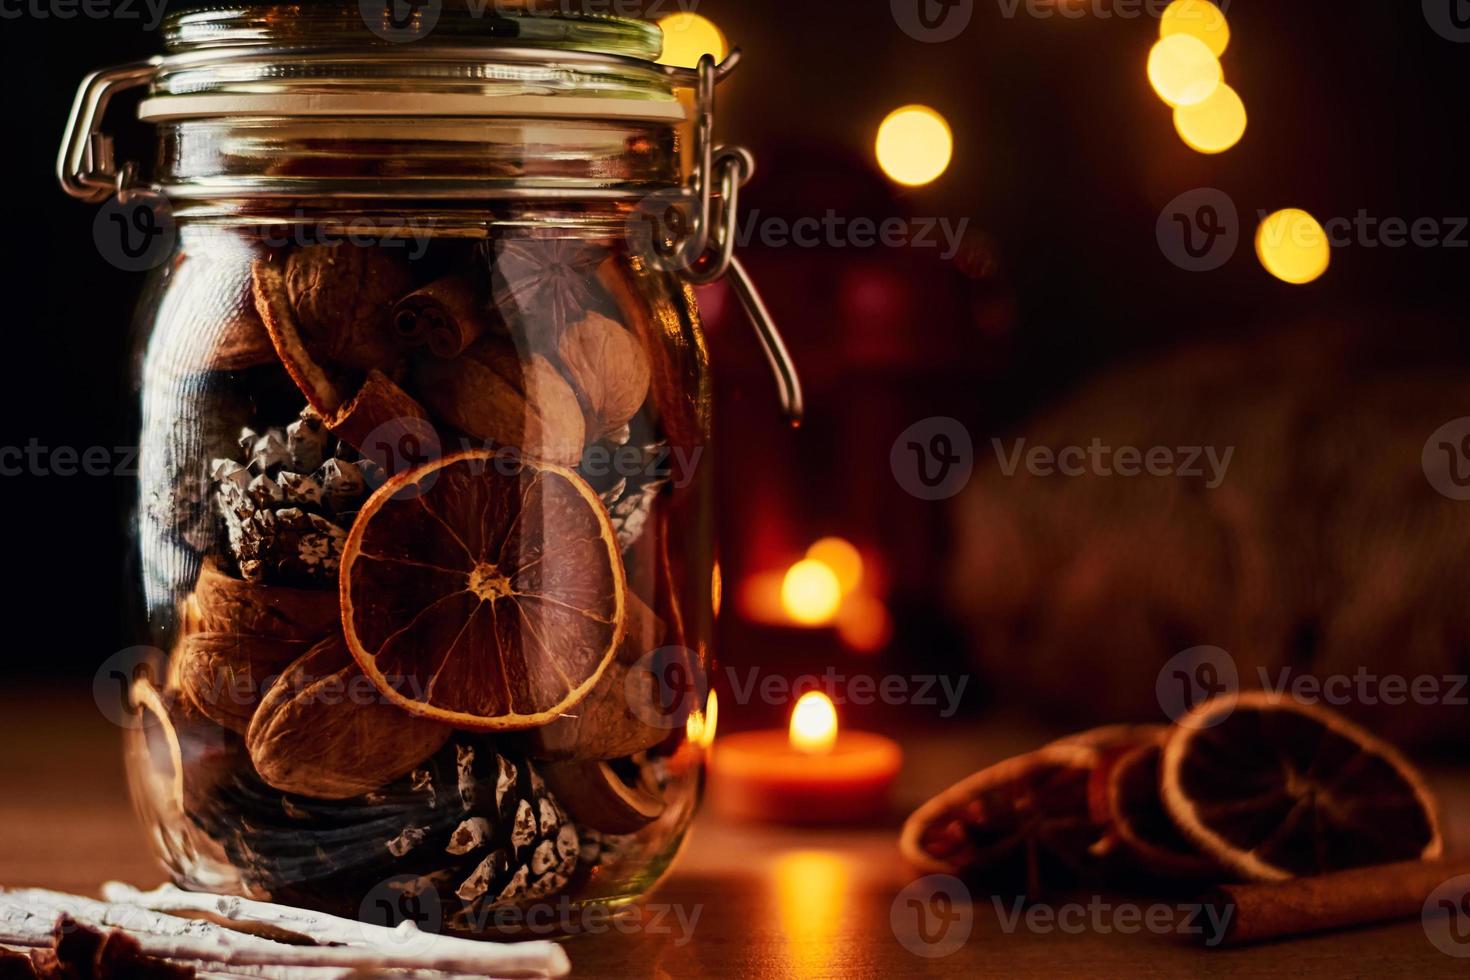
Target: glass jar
{"x": 424, "y": 511}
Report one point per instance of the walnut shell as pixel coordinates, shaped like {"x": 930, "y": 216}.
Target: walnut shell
{"x": 491, "y": 392}
{"x": 343, "y": 296}
{"x": 223, "y": 675}
{"x": 227, "y": 604}
{"x": 323, "y": 730}
{"x": 613, "y": 720}
{"x": 592, "y": 793}
{"x": 608, "y": 370}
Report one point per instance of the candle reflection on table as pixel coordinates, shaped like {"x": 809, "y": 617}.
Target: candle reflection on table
{"x": 811, "y": 893}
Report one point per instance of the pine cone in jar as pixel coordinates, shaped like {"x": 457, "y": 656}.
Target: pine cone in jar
{"x": 343, "y": 296}
{"x": 476, "y": 826}
{"x": 287, "y": 501}
{"x": 494, "y": 393}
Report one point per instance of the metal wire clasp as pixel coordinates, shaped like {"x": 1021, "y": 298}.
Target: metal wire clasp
{"x": 85, "y": 166}
{"x": 709, "y": 252}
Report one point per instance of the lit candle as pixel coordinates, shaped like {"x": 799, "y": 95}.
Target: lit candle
{"x": 811, "y": 773}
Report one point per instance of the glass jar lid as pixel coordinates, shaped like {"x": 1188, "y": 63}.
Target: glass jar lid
{"x": 463, "y": 58}
{"x": 336, "y": 24}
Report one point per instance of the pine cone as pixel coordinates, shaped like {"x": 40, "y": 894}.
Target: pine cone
{"x": 629, "y": 500}
{"x": 527, "y": 853}
{"x": 288, "y": 500}
{"x": 479, "y": 828}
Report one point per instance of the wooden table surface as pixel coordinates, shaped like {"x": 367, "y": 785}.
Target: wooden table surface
{"x": 741, "y": 902}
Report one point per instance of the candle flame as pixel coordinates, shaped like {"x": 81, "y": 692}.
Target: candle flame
{"x": 813, "y": 724}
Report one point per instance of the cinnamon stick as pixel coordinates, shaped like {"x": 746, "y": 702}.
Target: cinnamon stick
{"x": 383, "y": 420}
{"x": 446, "y": 315}
{"x": 1337, "y": 900}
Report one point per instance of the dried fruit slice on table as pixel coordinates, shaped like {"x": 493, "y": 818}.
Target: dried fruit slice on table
{"x": 1272, "y": 789}
{"x": 484, "y": 591}
{"x": 1024, "y": 822}
{"x": 1111, "y": 743}
{"x": 1142, "y": 825}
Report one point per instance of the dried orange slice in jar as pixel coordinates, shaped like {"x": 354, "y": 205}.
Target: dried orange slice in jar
{"x": 1271, "y": 789}
{"x": 483, "y": 591}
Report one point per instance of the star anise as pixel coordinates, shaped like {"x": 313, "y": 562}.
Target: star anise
{"x": 545, "y": 284}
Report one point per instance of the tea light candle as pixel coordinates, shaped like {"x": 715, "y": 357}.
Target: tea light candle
{"x": 811, "y": 773}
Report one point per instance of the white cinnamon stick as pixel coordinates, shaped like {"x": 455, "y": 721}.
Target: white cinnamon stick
{"x": 27, "y": 915}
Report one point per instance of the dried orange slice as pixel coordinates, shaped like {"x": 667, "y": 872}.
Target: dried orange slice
{"x": 1023, "y": 822}
{"x": 1141, "y": 825}
{"x": 1272, "y": 788}
{"x": 483, "y": 591}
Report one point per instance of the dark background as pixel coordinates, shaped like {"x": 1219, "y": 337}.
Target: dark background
{"x": 1063, "y": 160}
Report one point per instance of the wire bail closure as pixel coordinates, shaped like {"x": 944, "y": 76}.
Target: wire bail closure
{"x": 86, "y": 166}
{"x": 708, "y": 253}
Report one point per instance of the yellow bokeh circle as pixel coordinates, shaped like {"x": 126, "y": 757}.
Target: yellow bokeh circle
{"x": 811, "y": 592}
{"x": 914, "y": 145}
{"x": 1214, "y": 125}
{"x": 1183, "y": 70}
{"x": 1293, "y": 246}
{"x": 688, "y": 37}
{"x": 1197, "y": 18}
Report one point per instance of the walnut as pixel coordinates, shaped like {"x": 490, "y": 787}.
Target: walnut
{"x": 608, "y": 371}
{"x": 494, "y": 393}
{"x": 622, "y": 715}
{"x": 223, "y": 674}
{"x": 343, "y": 296}
{"x": 226, "y": 604}
{"x": 323, "y": 730}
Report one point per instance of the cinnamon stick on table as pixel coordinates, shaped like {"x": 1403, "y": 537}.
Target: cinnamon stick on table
{"x": 1336, "y": 900}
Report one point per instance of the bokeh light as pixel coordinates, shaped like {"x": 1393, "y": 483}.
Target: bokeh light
{"x": 1197, "y": 18}
{"x": 914, "y": 145}
{"x": 843, "y": 558}
{"x": 1183, "y": 70}
{"x": 864, "y": 623}
{"x": 1293, "y": 247}
{"x": 688, "y": 37}
{"x": 813, "y": 723}
{"x": 1214, "y": 125}
{"x": 811, "y": 592}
